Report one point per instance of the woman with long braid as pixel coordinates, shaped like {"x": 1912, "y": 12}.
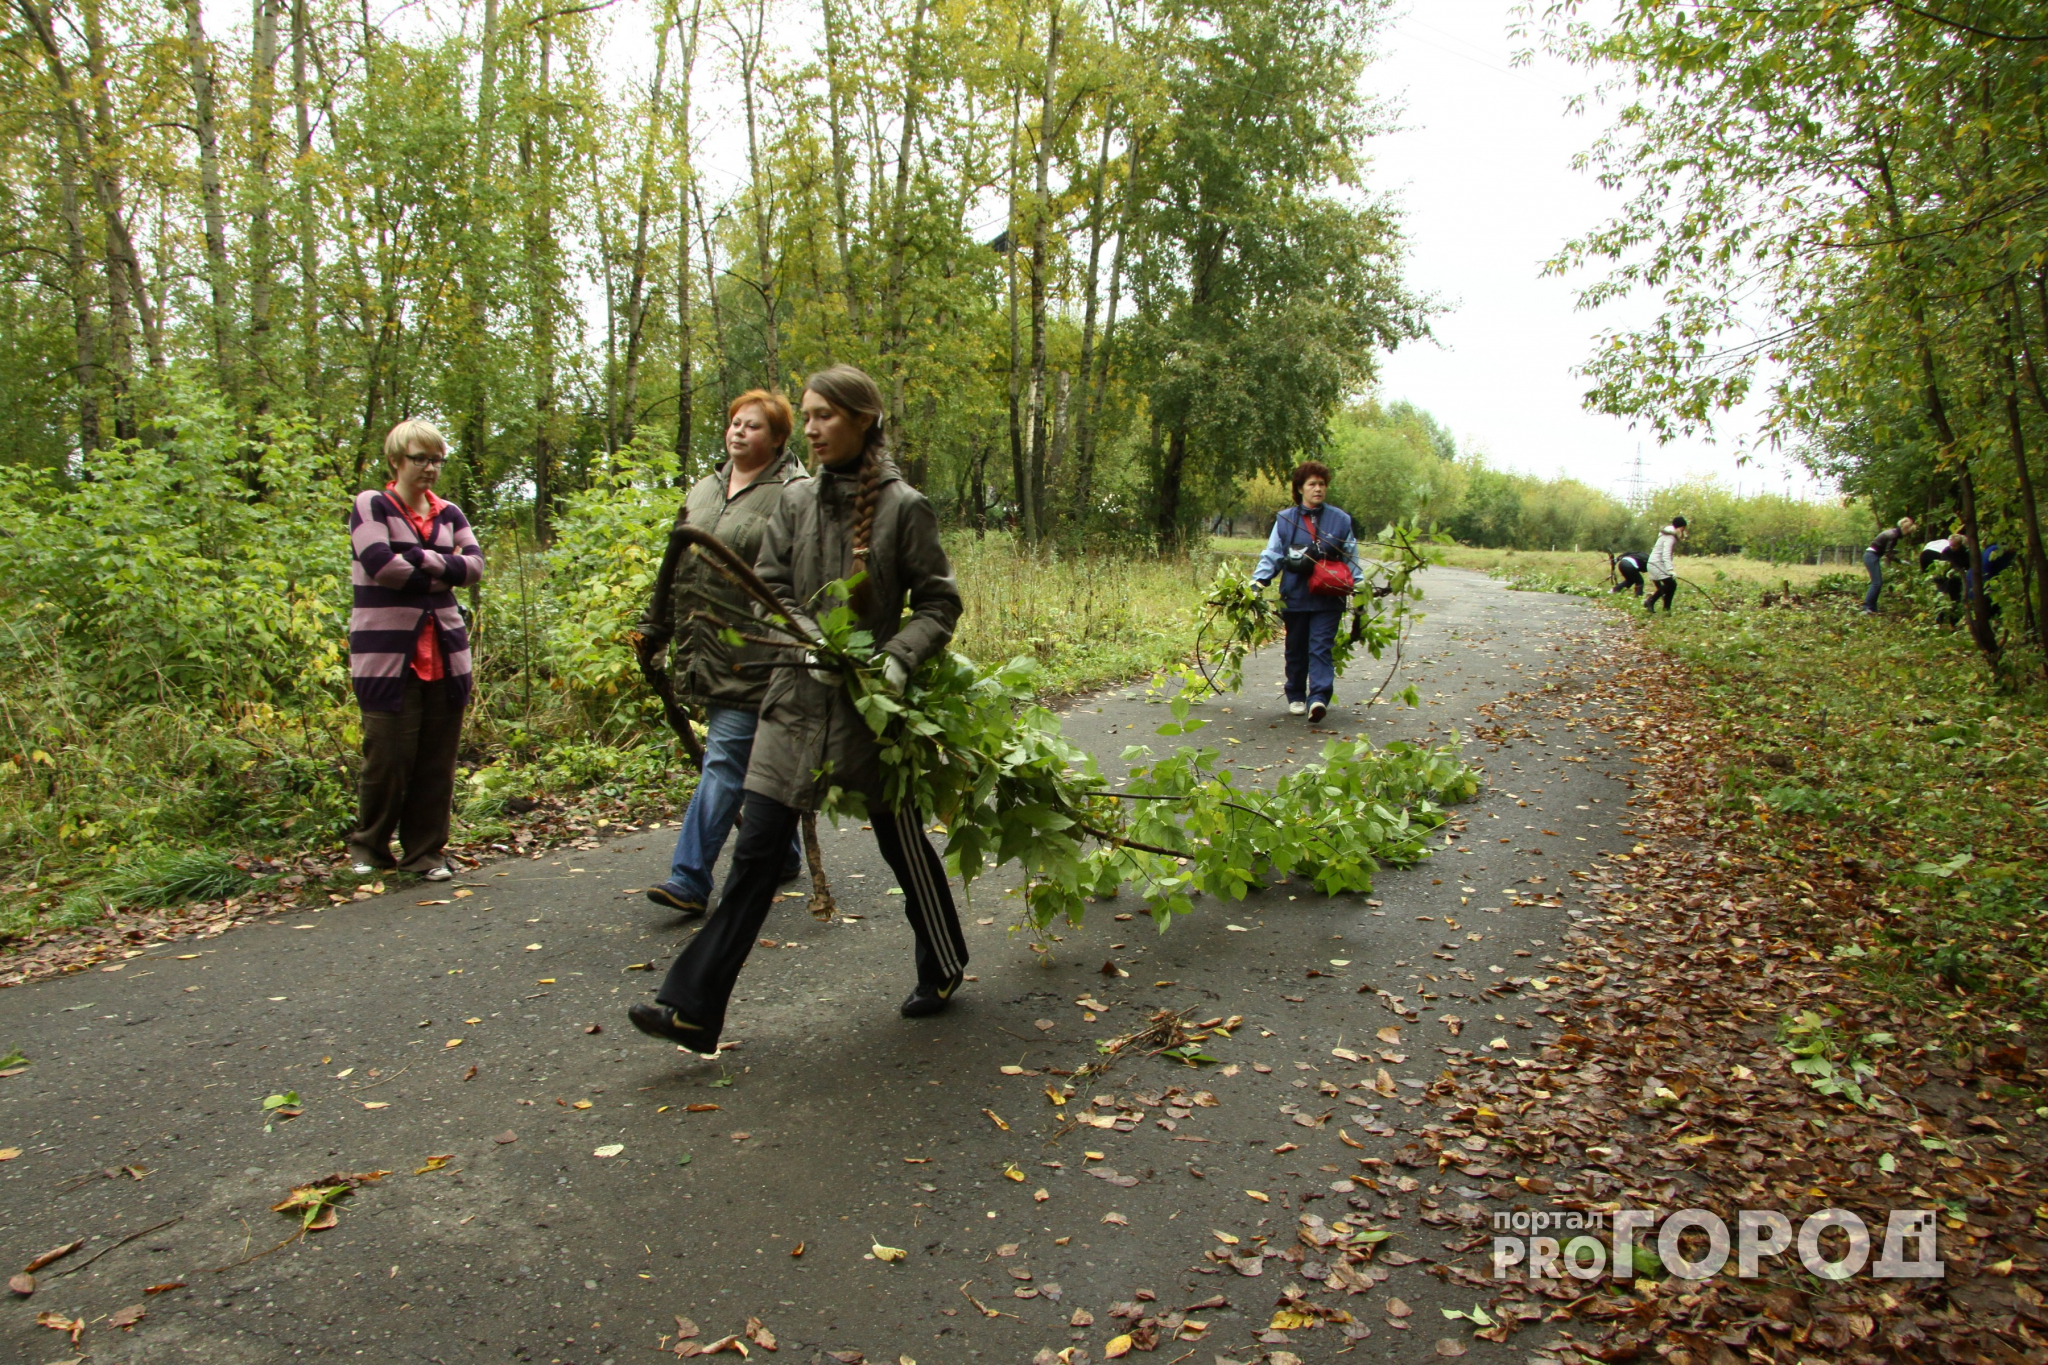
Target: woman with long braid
{"x": 856, "y": 516}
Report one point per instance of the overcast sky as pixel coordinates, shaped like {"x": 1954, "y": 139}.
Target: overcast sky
{"x": 1482, "y": 169}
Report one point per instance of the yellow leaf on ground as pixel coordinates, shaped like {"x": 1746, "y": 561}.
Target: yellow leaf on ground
{"x": 1117, "y": 1346}
{"x": 882, "y": 1253}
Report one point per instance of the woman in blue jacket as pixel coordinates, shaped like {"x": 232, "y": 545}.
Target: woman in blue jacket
{"x": 1310, "y": 530}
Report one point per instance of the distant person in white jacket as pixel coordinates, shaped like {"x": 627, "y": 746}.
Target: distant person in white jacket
{"x": 1662, "y": 575}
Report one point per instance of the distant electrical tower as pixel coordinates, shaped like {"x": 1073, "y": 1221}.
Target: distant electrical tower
{"x": 1635, "y": 479}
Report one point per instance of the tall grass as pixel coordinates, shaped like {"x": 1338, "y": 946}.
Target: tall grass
{"x": 1088, "y": 618}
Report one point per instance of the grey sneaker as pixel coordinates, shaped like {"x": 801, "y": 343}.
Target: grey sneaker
{"x": 439, "y": 874}
{"x": 1297, "y": 708}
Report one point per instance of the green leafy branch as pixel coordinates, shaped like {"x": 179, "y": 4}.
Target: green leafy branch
{"x": 973, "y": 749}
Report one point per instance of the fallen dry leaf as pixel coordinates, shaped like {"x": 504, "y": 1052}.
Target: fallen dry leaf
{"x": 1260, "y": 1195}
{"x": 882, "y": 1253}
{"x": 435, "y": 1163}
{"x": 758, "y": 1333}
{"x": 166, "y": 1287}
{"x": 698, "y": 1108}
{"x": 1445, "y": 1346}
{"x": 1117, "y": 1346}
{"x": 57, "y": 1322}
{"x": 996, "y": 1119}
{"x": 507, "y": 1136}
{"x": 53, "y": 1254}
{"x": 610, "y": 1149}
{"x": 126, "y": 1318}
{"x": 9, "y": 1153}
{"x": 1388, "y": 1034}
{"x": 1116, "y": 1219}
{"x": 1395, "y": 1308}
{"x": 23, "y": 1284}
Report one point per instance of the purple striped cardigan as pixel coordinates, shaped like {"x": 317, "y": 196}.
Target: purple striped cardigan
{"x": 398, "y": 580}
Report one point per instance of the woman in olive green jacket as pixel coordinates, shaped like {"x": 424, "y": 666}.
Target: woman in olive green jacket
{"x": 856, "y": 516}
{"x": 735, "y": 503}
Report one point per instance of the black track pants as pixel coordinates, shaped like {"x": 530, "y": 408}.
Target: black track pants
{"x": 700, "y": 981}
{"x": 1663, "y": 590}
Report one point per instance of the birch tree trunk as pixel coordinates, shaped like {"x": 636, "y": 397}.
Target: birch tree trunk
{"x": 308, "y": 225}
{"x": 686, "y": 332}
{"x": 637, "y": 268}
{"x": 262, "y": 144}
{"x": 220, "y": 281}
{"x": 1041, "y": 212}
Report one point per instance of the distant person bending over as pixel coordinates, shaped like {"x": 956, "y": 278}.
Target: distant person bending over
{"x": 1662, "y": 575}
{"x": 408, "y": 654}
{"x": 1630, "y": 565}
{"x": 1885, "y": 546}
{"x": 1953, "y": 554}
{"x": 734, "y": 502}
{"x": 1303, "y": 535}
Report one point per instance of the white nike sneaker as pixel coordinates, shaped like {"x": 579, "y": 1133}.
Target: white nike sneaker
{"x": 1297, "y": 708}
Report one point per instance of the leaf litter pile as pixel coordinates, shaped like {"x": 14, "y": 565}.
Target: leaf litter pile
{"x": 1711, "y": 1055}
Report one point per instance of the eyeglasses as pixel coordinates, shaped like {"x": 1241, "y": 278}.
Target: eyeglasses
{"x": 426, "y": 459}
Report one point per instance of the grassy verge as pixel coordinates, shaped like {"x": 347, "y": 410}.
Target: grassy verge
{"x": 1585, "y": 571}
{"x": 1090, "y": 620}
{"x": 1885, "y": 747}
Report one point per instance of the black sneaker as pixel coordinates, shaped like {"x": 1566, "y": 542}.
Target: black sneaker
{"x": 675, "y": 898}
{"x": 789, "y": 873}
{"x": 929, "y": 1000}
{"x": 1316, "y": 711}
{"x": 659, "y": 1021}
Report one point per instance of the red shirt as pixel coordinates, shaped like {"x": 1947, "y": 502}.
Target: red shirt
{"x": 427, "y": 663}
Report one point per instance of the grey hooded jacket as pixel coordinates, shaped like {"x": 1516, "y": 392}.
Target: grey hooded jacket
{"x": 811, "y": 738}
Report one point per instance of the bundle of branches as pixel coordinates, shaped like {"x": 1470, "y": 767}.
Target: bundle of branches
{"x": 974, "y": 750}
{"x": 1241, "y": 620}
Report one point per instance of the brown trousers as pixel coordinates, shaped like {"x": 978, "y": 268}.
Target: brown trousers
{"x": 408, "y": 779}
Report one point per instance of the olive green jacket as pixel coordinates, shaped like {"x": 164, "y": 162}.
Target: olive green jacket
{"x": 811, "y": 738}
{"x": 706, "y": 667}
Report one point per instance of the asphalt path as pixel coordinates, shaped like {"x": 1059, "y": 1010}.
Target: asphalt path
{"x": 561, "y": 1189}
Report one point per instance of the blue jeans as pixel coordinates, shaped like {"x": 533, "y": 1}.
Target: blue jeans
{"x": 728, "y": 744}
{"x": 1310, "y": 636}
{"x": 1873, "y": 564}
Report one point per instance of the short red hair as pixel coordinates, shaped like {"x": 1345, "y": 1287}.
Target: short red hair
{"x": 781, "y": 417}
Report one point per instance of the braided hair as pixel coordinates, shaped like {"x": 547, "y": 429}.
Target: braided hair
{"x": 853, "y": 392}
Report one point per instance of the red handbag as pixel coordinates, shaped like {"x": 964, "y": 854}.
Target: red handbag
{"x": 1329, "y": 577}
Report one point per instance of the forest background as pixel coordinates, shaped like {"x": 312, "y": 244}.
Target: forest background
{"x": 1118, "y": 267}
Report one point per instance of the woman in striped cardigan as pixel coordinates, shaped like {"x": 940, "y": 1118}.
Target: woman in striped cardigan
{"x": 409, "y": 654}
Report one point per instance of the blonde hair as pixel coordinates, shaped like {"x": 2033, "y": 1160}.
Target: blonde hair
{"x": 413, "y": 435}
